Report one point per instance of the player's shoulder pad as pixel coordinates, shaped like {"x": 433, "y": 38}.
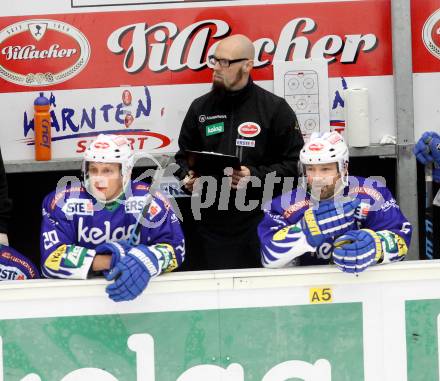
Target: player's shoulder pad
{"x": 296, "y": 202}
{"x": 158, "y": 196}
{"x": 371, "y": 187}
{"x": 15, "y": 266}
{"x": 140, "y": 188}
{"x": 58, "y": 197}
{"x": 159, "y": 207}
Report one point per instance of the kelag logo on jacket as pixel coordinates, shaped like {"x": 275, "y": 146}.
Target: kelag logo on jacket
{"x": 42, "y": 52}
{"x": 214, "y": 129}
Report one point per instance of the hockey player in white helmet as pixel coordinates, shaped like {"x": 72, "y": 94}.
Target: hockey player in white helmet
{"x": 333, "y": 217}
{"x": 108, "y": 161}
{"x": 93, "y": 228}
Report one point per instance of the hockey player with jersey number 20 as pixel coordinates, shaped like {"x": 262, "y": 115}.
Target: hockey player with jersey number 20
{"x": 86, "y": 227}
{"x": 351, "y": 221}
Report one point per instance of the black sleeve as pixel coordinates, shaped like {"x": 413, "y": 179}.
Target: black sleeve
{"x": 285, "y": 141}
{"x": 5, "y": 201}
{"x": 189, "y": 138}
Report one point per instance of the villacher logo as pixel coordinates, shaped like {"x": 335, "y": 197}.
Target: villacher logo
{"x": 42, "y": 52}
{"x": 431, "y": 34}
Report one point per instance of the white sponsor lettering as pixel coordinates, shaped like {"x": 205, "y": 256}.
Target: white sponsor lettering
{"x": 389, "y": 204}
{"x": 78, "y": 206}
{"x": 96, "y": 236}
{"x": 30, "y": 52}
{"x": 169, "y": 40}
{"x": 145, "y": 367}
{"x": 175, "y": 51}
{"x": 324, "y": 251}
{"x": 145, "y": 260}
{"x": 10, "y": 273}
{"x": 245, "y": 143}
{"x": 204, "y": 118}
{"x": 135, "y": 204}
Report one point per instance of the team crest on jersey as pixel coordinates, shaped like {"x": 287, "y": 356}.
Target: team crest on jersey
{"x": 154, "y": 209}
{"x": 78, "y": 206}
{"x": 134, "y": 204}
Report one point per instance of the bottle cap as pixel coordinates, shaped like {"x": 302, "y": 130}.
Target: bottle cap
{"x": 41, "y": 100}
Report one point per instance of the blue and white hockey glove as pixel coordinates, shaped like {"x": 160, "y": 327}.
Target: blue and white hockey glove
{"x": 132, "y": 274}
{"x": 356, "y": 250}
{"x": 118, "y": 250}
{"x": 329, "y": 220}
{"x": 434, "y": 147}
{"x": 427, "y": 148}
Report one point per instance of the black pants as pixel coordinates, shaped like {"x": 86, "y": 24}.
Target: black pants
{"x": 221, "y": 240}
{"x": 228, "y": 247}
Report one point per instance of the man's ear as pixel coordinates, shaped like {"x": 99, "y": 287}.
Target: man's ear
{"x": 249, "y": 65}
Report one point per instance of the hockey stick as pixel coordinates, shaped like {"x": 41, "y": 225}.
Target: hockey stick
{"x": 429, "y": 213}
{"x": 141, "y": 220}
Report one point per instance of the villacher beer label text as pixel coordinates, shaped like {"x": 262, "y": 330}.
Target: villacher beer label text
{"x": 42, "y": 52}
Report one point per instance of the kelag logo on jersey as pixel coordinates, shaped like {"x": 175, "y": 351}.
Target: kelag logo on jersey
{"x": 78, "y": 206}
{"x": 42, "y": 52}
{"x": 96, "y": 235}
{"x": 431, "y": 34}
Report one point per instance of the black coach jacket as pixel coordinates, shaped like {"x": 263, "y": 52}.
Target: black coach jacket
{"x": 252, "y": 123}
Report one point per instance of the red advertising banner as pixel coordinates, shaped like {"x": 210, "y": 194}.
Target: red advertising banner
{"x": 171, "y": 46}
{"x": 425, "y": 28}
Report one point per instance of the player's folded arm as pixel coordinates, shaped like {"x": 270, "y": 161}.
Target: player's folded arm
{"x": 280, "y": 242}
{"x": 60, "y": 257}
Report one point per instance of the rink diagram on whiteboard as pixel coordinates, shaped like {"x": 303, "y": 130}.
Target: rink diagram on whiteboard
{"x": 301, "y": 91}
{"x": 304, "y": 86}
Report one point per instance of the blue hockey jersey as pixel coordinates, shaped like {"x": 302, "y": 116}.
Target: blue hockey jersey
{"x": 75, "y": 223}
{"x": 283, "y": 243}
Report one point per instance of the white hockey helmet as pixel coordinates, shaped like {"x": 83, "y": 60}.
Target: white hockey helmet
{"x": 325, "y": 148}
{"x": 109, "y": 149}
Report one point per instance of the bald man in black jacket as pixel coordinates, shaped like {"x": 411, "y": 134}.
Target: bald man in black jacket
{"x": 237, "y": 117}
